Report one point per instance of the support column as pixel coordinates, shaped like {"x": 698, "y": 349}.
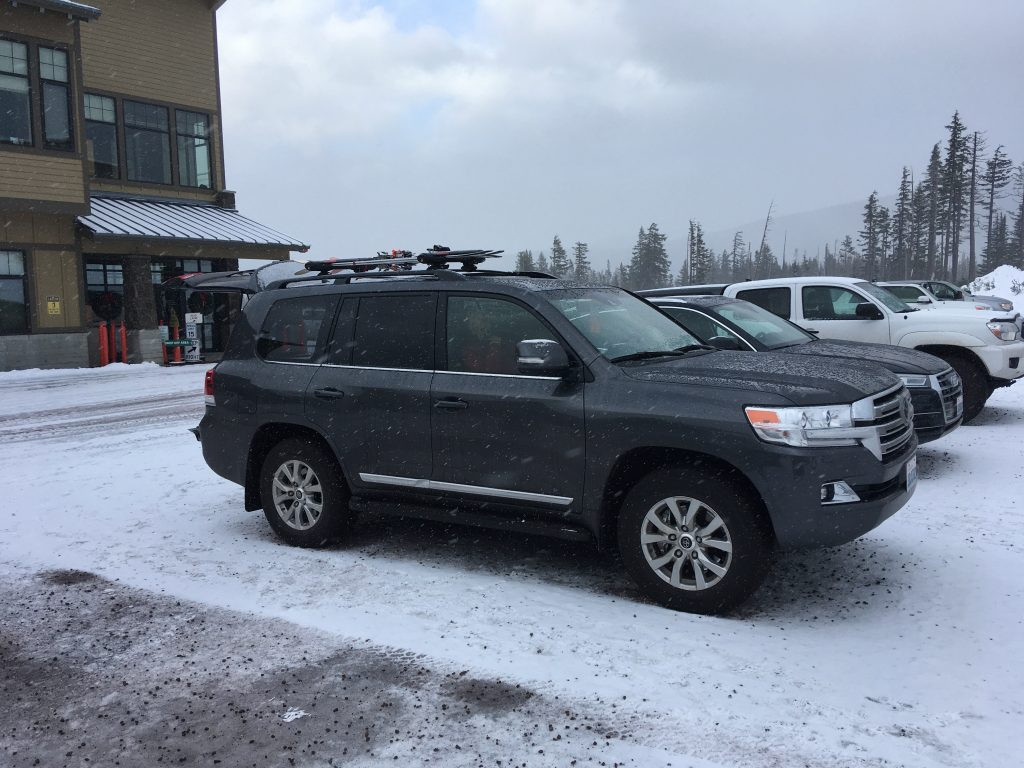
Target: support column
{"x": 140, "y": 311}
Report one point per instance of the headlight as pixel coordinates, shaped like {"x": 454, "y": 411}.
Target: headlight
{"x": 822, "y": 425}
{"x": 910, "y": 380}
{"x": 1004, "y": 331}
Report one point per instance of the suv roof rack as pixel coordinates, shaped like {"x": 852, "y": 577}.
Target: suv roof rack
{"x": 400, "y": 264}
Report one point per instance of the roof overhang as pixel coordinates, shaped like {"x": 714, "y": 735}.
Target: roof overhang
{"x": 157, "y": 220}
{"x": 77, "y": 11}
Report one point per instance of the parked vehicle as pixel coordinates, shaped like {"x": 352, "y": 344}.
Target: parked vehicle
{"x": 735, "y": 324}
{"x": 983, "y": 348}
{"x": 937, "y": 293}
{"x": 535, "y": 404}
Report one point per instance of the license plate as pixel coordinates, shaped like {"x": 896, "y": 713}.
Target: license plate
{"x": 912, "y": 473}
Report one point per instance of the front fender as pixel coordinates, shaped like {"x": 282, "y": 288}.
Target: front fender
{"x": 915, "y": 339}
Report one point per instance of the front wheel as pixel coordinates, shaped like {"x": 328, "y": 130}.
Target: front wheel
{"x": 304, "y": 494}
{"x": 694, "y": 541}
{"x": 976, "y": 387}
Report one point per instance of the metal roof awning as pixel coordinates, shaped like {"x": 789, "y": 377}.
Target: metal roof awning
{"x": 74, "y": 10}
{"x": 125, "y": 218}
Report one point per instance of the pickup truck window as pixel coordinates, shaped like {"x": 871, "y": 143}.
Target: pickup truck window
{"x": 483, "y": 333}
{"x": 775, "y": 300}
{"x": 945, "y": 291}
{"x": 889, "y": 300}
{"x": 827, "y": 302}
{"x": 618, "y": 323}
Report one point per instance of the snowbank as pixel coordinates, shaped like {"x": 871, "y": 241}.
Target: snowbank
{"x": 1006, "y": 282}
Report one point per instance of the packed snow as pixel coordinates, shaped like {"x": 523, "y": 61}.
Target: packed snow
{"x": 1004, "y": 281}
{"x": 902, "y": 648}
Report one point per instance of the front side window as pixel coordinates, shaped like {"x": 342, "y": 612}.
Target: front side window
{"x": 823, "y": 302}
{"x": 13, "y": 306}
{"x": 482, "y": 334}
{"x": 294, "y": 329}
{"x": 15, "y": 101}
{"x": 395, "y": 332}
{"x": 945, "y": 291}
{"x": 53, "y": 78}
{"x": 193, "y": 132}
{"x": 775, "y": 300}
{"x": 101, "y": 136}
{"x": 147, "y": 140}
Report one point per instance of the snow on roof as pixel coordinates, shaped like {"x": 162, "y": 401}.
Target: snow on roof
{"x": 79, "y": 11}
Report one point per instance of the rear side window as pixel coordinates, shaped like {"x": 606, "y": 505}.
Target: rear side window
{"x": 394, "y": 332}
{"x": 775, "y": 300}
{"x": 294, "y": 330}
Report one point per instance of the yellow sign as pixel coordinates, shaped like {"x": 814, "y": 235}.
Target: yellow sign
{"x": 53, "y": 305}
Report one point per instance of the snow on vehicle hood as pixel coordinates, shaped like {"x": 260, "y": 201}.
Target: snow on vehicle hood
{"x": 896, "y": 359}
{"x": 805, "y": 380}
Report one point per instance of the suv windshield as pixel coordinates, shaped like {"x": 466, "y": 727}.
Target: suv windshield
{"x": 771, "y": 330}
{"x": 893, "y": 302}
{"x": 621, "y": 325}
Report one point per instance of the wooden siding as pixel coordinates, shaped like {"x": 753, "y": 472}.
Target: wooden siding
{"x": 161, "y": 50}
{"x": 47, "y": 178}
{"x": 25, "y": 21}
{"x": 56, "y": 275}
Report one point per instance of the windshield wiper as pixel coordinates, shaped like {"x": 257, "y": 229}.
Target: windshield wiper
{"x": 650, "y": 354}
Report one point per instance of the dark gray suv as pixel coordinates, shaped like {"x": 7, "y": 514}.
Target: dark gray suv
{"x": 546, "y": 406}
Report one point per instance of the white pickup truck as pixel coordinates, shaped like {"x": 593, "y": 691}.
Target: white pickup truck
{"x": 983, "y": 347}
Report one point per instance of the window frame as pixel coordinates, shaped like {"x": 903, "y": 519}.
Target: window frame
{"x": 70, "y": 145}
{"x": 145, "y": 129}
{"x": 23, "y": 279}
{"x": 208, "y": 144}
{"x": 29, "y": 49}
{"x": 86, "y": 122}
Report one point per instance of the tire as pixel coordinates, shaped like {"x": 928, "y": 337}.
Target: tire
{"x": 712, "y": 576}
{"x": 302, "y": 468}
{"x": 977, "y": 390}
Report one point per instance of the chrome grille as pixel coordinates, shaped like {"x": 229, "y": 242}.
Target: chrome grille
{"x": 891, "y": 418}
{"x": 951, "y": 393}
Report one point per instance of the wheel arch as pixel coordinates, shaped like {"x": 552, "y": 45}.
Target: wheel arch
{"x": 636, "y": 463}
{"x": 266, "y": 437}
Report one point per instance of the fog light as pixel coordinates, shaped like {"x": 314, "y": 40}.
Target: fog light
{"x": 838, "y": 493}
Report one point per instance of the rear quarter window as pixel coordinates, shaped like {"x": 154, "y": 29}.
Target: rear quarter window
{"x": 775, "y": 300}
{"x": 295, "y": 330}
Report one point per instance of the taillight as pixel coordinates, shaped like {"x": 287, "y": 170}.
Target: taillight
{"x": 208, "y": 388}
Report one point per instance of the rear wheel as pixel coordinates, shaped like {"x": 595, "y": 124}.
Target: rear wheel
{"x": 304, "y": 495}
{"x": 977, "y": 389}
{"x": 694, "y": 541}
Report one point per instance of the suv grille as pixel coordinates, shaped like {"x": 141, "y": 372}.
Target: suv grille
{"x": 891, "y": 422}
{"x": 951, "y": 392}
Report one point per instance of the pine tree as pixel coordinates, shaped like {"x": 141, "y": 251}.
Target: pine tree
{"x": 902, "y": 226}
{"x": 650, "y": 266}
{"x": 883, "y": 224}
{"x": 994, "y": 179}
{"x": 1015, "y": 248}
{"x": 542, "y": 263}
{"x": 847, "y": 256}
{"x": 955, "y": 185}
{"x": 931, "y": 198}
{"x": 870, "y": 237}
{"x": 560, "y": 264}
{"x": 581, "y": 264}
{"x": 997, "y": 245}
{"x": 977, "y": 147}
{"x": 524, "y": 261}
{"x": 737, "y": 261}
{"x": 700, "y": 254}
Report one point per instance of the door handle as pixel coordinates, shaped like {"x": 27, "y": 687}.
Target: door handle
{"x": 451, "y": 404}
{"x": 329, "y": 393}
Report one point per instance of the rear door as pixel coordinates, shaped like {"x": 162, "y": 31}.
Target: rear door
{"x": 372, "y": 396}
{"x": 502, "y": 436}
{"x": 830, "y": 311}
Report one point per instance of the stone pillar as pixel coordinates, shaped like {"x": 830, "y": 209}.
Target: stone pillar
{"x": 140, "y": 311}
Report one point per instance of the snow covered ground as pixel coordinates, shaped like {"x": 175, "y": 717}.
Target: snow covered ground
{"x": 903, "y": 648}
{"x": 1005, "y": 281}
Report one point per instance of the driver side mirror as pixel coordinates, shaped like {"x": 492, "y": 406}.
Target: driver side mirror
{"x": 541, "y": 356}
{"x": 868, "y": 311}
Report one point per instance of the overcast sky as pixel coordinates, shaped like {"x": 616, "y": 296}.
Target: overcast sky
{"x": 359, "y": 126}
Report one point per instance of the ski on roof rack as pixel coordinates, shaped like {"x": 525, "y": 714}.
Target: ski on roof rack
{"x": 436, "y": 257}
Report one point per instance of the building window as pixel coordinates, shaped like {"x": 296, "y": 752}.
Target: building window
{"x": 101, "y": 136}
{"x": 13, "y": 307}
{"x": 193, "y": 130}
{"x": 147, "y": 140}
{"x": 53, "y": 80}
{"x": 15, "y": 101}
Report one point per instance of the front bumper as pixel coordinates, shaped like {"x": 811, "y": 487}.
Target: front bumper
{"x": 790, "y": 483}
{"x": 1004, "y": 362}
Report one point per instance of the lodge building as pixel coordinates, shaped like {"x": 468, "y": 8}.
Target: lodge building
{"x": 112, "y": 177}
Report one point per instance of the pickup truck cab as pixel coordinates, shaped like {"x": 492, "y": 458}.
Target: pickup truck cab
{"x": 522, "y": 402}
{"x": 983, "y": 348}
